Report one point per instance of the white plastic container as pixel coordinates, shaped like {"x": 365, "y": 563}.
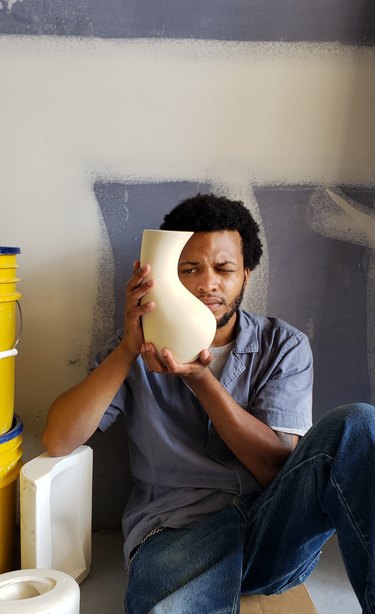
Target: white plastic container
{"x": 55, "y": 509}
{"x": 38, "y": 591}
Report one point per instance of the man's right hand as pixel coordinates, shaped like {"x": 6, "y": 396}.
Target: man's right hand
{"x": 136, "y": 289}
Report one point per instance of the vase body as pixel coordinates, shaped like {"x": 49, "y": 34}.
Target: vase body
{"x": 179, "y": 321}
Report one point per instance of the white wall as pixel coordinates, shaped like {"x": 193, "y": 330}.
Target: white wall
{"x": 233, "y": 114}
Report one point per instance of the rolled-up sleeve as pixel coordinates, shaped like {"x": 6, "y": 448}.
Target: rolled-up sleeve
{"x": 283, "y": 399}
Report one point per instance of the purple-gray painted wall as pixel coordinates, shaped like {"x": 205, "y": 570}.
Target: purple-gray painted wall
{"x": 347, "y": 21}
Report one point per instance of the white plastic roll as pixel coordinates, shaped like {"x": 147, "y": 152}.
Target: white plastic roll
{"x": 38, "y": 591}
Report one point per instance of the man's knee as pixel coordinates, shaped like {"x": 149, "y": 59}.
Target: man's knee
{"x": 348, "y": 426}
{"x": 354, "y": 415}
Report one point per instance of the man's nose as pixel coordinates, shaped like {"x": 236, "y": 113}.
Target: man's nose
{"x": 208, "y": 281}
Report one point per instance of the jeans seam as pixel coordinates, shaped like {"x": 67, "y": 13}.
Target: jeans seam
{"x": 291, "y": 471}
{"x": 307, "y": 460}
{"x": 350, "y": 516}
{"x": 235, "y": 603}
{"x": 301, "y": 578}
{"x": 368, "y": 600}
{"x": 238, "y": 507}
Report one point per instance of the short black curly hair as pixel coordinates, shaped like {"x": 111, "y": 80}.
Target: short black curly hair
{"x": 210, "y": 213}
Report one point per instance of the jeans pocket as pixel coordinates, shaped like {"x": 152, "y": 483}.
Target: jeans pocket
{"x": 146, "y": 538}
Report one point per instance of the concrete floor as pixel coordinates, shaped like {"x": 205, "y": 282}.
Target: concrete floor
{"x": 102, "y": 591}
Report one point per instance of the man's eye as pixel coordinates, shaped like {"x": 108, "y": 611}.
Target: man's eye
{"x": 188, "y": 271}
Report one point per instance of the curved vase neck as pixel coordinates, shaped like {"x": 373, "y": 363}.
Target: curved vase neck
{"x": 162, "y": 248}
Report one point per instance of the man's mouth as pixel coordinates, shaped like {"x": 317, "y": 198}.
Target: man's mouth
{"x": 212, "y": 302}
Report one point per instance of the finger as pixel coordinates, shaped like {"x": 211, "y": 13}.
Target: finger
{"x": 151, "y": 358}
{"x": 145, "y": 357}
{"x": 136, "y": 266}
{"x": 136, "y": 294}
{"x": 171, "y": 365}
{"x": 137, "y": 311}
{"x": 139, "y": 276}
{"x": 205, "y": 357}
{"x": 140, "y": 291}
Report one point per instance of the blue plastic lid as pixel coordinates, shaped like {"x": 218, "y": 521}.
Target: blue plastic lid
{"x": 9, "y": 250}
{"x": 17, "y": 428}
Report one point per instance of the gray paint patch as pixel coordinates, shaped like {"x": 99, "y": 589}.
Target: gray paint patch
{"x": 241, "y": 20}
{"x": 337, "y": 215}
{"x": 319, "y": 284}
{"x": 128, "y": 209}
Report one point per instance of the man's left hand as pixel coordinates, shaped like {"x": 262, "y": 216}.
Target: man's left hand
{"x": 169, "y": 366}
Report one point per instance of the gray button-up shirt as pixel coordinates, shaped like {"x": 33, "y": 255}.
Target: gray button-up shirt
{"x": 181, "y": 468}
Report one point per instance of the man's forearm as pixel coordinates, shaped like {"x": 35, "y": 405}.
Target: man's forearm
{"x": 254, "y": 443}
{"x": 76, "y": 413}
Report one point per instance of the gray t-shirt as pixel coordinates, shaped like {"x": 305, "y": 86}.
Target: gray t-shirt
{"x": 219, "y": 358}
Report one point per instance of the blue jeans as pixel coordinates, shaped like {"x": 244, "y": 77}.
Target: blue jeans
{"x": 270, "y": 541}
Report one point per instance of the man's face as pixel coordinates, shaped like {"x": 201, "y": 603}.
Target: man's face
{"x": 211, "y": 268}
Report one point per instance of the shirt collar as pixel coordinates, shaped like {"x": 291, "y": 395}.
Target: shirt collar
{"x": 247, "y": 340}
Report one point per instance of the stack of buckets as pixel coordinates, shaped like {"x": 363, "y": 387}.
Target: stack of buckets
{"x": 11, "y": 426}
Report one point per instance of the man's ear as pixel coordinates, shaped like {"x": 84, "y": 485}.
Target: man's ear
{"x": 247, "y": 274}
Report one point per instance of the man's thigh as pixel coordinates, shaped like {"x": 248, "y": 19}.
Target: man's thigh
{"x": 182, "y": 569}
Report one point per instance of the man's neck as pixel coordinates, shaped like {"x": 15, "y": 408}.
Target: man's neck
{"x": 226, "y": 333}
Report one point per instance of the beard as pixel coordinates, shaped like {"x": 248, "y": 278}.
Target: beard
{"x": 232, "y": 308}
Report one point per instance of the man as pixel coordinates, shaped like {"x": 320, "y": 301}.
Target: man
{"x": 224, "y": 499}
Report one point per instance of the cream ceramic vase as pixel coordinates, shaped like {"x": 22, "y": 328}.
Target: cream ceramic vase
{"x": 179, "y": 321}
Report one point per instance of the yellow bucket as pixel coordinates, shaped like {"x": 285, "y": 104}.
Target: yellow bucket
{"x": 8, "y": 269}
{"x": 10, "y": 465}
{"x": 9, "y": 337}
